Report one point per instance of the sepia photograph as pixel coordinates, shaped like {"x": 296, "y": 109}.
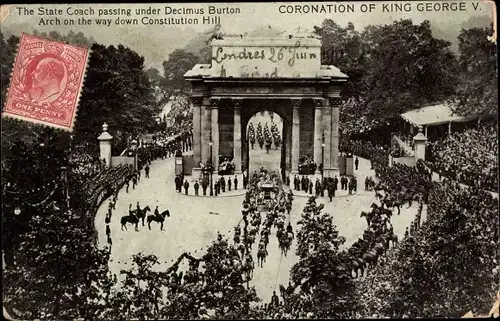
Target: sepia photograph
{"x": 280, "y": 160}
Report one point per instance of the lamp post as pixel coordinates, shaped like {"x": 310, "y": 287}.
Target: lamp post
{"x": 211, "y": 170}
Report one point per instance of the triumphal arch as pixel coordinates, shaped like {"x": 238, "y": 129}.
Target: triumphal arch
{"x": 249, "y": 75}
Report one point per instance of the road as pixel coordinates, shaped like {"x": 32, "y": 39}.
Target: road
{"x": 195, "y": 221}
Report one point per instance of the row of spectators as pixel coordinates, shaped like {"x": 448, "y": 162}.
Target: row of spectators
{"x": 84, "y": 161}
{"x": 470, "y": 157}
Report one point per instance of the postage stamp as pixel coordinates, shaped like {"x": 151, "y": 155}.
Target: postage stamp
{"x": 46, "y": 82}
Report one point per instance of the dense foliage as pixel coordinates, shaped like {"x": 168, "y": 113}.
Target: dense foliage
{"x": 392, "y": 68}
{"x": 477, "y": 92}
{"x": 325, "y": 286}
{"x": 448, "y": 268}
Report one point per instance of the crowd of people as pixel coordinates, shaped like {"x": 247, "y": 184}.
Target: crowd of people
{"x": 328, "y": 184}
{"x": 219, "y": 186}
{"x": 307, "y": 165}
{"x": 470, "y": 157}
{"x": 84, "y": 161}
{"x": 226, "y": 165}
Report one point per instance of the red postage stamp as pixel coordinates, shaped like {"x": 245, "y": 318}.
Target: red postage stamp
{"x": 46, "y": 82}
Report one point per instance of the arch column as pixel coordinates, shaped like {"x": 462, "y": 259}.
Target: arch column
{"x": 237, "y": 136}
{"x": 295, "y": 150}
{"x": 215, "y": 134}
{"x": 206, "y": 129}
{"x": 333, "y": 167}
{"x": 327, "y": 125}
{"x": 196, "y": 172}
{"x": 318, "y": 137}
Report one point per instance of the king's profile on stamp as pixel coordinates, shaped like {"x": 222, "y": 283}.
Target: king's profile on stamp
{"x": 46, "y": 79}
{"x": 46, "y": 82}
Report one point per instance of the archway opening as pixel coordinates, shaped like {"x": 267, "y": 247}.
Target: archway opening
{"x": 265, "y": 132}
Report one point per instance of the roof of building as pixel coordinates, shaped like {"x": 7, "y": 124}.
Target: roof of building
{"x": 434, "y": 115}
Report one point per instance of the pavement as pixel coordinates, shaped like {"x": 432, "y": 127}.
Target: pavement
{"x": 195, "y": 221}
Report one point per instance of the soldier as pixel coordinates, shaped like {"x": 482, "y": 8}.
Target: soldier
{"x": 204, "y": 186}
{"x": 223, "y": 184}
{"x": 134, "y": 181}
{"x": 186, "y": 187}
{"x": 335, "y": 183}
{"x": 146, "y": 169}
{"x": 229, "y": 184}
{"x": 196, "y": 188}
{"x": 216, "y": 187}
{"x": 317, "y": 187}
{"x": 157, "y": 212}
{"x": 235, "y": 183}
{"x": 310, "y": 187}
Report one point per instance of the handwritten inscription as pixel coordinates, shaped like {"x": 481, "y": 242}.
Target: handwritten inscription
{"x": 275, "y": 54}
{"x": 256, "y": 74}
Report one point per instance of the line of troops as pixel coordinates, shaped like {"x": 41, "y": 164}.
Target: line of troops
{"x": 220, "y": 185}
{"x": 329, "y": 184}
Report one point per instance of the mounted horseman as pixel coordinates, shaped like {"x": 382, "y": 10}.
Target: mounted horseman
{"x": 158, "y": 217}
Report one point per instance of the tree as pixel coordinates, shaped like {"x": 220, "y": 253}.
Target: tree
{"x": 219, "y": 291}
{"x": 182, "y": 114}
{"x": 7, "y": 54}
{"x": 343, "y": 48}
{"x": 117, "y": 91}
{"x": 391, "y": 68}
{"x": 325, "y": 285}
{"x": 56, "y": 263}
{"x": 407, "y": 68}
{"x": 178, "y": 63}
{"x": 449, "y": 267}
{"x": 477, "y": 93}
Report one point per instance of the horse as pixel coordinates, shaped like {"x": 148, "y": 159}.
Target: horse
{"x": 279, "y": 233}
{"x": 284, "y": 244}
{"x": 265, "y": 239}
{"x": 129, "y": 219}
{"x": 142, "y": 213}
{"x": 261, "y": 255}
{"x": 368, "y": 216}
{"x": 370, "y": 258}
{"x": 393, "y": 204}
{"x": 158, "y": 218}
{"x": 242, "y": 249}
{"x": 290, "y": 236}
{"x": 251, "y": 240}
{"x": 394, "y": 239}
{"x": 248, "y": 267}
